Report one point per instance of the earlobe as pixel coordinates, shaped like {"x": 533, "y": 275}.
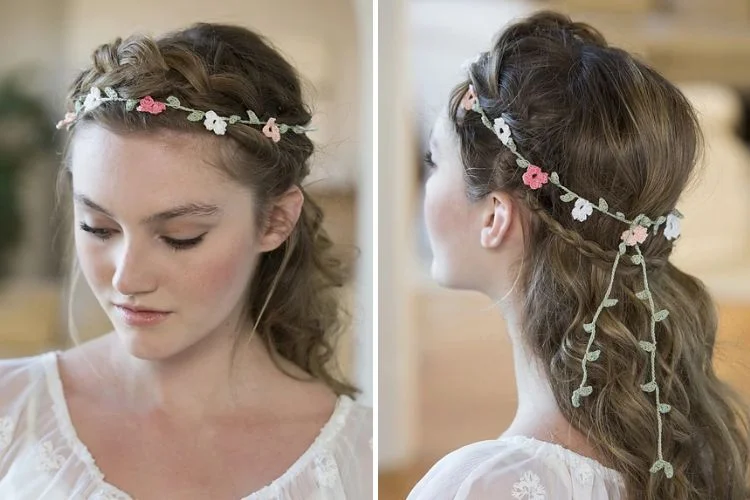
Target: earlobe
{"x": 282, "y": 219}
{"x": 496, "y": 221}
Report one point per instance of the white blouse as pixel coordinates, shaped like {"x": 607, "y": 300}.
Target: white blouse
{"x": 518, "y": 467}
{"x": 41, "y": 456}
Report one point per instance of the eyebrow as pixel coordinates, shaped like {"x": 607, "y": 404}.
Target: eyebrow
{"x": 188, "y": 209}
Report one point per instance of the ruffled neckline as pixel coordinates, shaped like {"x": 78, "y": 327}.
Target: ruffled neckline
{"x": 330, "y": 430}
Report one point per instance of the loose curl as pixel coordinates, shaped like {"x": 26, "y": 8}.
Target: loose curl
{"x": 292, "y": 303}
{"x": 612, "y": 127}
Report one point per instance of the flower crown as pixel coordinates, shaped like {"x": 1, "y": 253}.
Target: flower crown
{"x": 636, "y": 234}
{"x": 212, "y": 121}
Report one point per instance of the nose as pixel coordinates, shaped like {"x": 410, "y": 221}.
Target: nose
{"x": 133, "y": 271}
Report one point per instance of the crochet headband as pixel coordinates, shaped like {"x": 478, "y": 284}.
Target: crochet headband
{"x": 636, "y": 233}
{"x": 211, "y": 120}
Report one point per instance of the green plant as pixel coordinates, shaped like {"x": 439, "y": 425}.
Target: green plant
{"x": 26, "y": 133}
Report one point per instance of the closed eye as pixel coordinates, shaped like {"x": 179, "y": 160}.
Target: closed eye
{"x": 175, "y": 244}
{"x": 429, "y": 164}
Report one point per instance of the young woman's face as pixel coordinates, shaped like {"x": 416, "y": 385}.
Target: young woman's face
{"x": 450, "y": 217}
{"x": 158, "y": 228}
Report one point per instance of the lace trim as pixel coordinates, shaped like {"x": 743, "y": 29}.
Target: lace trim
{"x": 328, "y": 433}
{"x": 582, "y": 466}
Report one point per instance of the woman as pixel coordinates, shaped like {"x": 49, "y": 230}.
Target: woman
{"x": 185, "y": 163}
{"x": 554, "y": 177}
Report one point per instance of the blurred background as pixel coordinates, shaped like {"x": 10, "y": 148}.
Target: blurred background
{"x": 43, "y": 43}
{"x": 445, "y": 368}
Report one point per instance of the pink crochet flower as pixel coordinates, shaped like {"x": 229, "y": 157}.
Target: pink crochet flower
{"x": 272, "y": 130}
{"x": 534, "y": 177}
{"x": 635, "y": 236}
{"x": 69, "y": 118}
{"x": 148, "y": 105}
{"x": 469, "y": 99}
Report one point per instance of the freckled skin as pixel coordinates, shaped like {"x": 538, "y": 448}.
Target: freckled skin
{"x": 138, "y": 175}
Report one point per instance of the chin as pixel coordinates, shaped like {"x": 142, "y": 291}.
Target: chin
{"x": 146, "y": 345}
{"x": 442, "y": 275}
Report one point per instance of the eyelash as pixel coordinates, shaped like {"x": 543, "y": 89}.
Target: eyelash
{"x": 429, "y": 165}
{"x": 105, "y": 234}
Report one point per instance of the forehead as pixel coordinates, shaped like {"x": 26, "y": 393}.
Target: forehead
{"x": 157, "y": 166}
{"x": 443, "y": 138}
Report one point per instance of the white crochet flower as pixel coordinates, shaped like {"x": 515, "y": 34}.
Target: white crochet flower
{"x": 93, "y": 99}
{"x": 215, "y": 122}
{"x": 502, "y": 130}
{"x": 582, "y": 209}
{"x": 672, "y": 227}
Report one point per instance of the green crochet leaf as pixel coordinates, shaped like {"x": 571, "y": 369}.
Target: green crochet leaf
{"x": 576, "y": 398}
{"x": 173, "y": 101}
{"x": 603, "y": 204}
{"x": 636, "y": 259}
{"x": 593, "y": 355}
{"x": 589, "y": 327}
{"x": 664, "y": 408}
{"x": 668, "y": 470}
{"x": 554, "y": 178}
{"x": 111, "y": 92}
{"x": 623, "y": 248}
{"x": 283, "y": 128}
{"x": 620, "y": 215}
{"x": 586, "y": 390}
{"x": 522, "y": 163}
{"x": 253, "y": 117}
{"x": 661, "y": 315}
{"x": 643, "y": 295}
{"x": 78, "y": 106}
{"x": 646, "y": 221}
{"x": 567, "y": 197}
{"x": 196, "y": 116}
{"x": 647, "y": 346}
{"x": 130, "y": 104}
{"x": 650, "y": 387}
{"x": 658, "y": 465}
{"x": 234, "y": 119}
{"x": 609, "y": 303}
{"x": 662, "y": 464}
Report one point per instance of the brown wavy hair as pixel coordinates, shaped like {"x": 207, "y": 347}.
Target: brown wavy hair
{"x": 292, "y": 300}
{"x": 612, "y": 127}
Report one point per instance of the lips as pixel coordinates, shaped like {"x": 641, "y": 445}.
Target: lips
{"x": 142, "y": 317}
{"x": 139, "y": 309}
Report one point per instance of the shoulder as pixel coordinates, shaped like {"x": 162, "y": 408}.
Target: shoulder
{"x": 347, "y": 447}
{"x": 515, "y": 468}
{"x": 351, "y": 427}
{"x": 21, "y": 376}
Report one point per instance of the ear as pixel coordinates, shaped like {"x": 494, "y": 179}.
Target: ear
{"x": 496, "y": 220}
{"x": 282, "y": 219}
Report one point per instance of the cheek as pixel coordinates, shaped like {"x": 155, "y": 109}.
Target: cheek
{"x": 443, "y": 214}
{"x": 92, "y": 261}
{"x": 217, "y": 281}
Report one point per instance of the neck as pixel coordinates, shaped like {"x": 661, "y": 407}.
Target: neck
{"x": 209, "y": 378}
{"x": 537, "y": 414}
